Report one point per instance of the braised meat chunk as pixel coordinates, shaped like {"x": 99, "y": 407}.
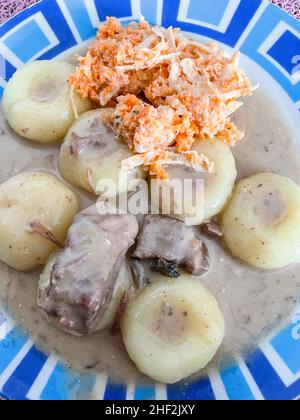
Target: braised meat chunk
{"x": 84, "y": 273}
{"x": 172, "y": 241}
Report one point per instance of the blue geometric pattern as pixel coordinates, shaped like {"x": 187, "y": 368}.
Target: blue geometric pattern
{"x": 65, "y": 384}
{"x": 144, "y": 392}
{"x": 115, "y": 391}
{"x": 269, "y": 381}
{"x": 78, "y": 18}
{"x": 238, "y": 15}
{"x": 149, "y": 10}
{"x": 19, "y": 383}
{"x": 236, "y": 384}
{"x": 19, "y": 41}
{"x": 287, "y": 345}
{"x": 283, "y": 51}
{"x": 203, "y": 11}
{"x": 275, "y": 29}
{"x": 121, "y": 9}
{"x": 10, "y": 346}
{"x": 200, "y": 390}
{"x": 271, "y": 39}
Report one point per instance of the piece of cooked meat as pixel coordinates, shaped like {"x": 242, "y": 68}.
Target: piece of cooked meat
{"x": 84, "y": 273}
{"x": 138, "y": 273}
{"x": 211, "y": 229}
{"x": 171, "y": 240}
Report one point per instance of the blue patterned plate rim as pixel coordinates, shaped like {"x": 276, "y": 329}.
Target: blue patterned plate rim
{"x": 271, "y": 39}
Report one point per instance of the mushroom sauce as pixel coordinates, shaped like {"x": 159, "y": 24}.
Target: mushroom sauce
{"x": 253, "y": 301}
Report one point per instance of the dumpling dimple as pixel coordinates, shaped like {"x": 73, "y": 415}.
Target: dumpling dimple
{"x": 270, "y": 206}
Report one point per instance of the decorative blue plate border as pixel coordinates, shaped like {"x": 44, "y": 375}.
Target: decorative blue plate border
{"x": 270, "y": 38}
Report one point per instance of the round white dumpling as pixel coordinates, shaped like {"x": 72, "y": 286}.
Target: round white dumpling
{"x": 36, "y": 211}
{"x": 91, "y": 155}
{"x": 38, "y": 103}
{"x": 217, "y": 186}
{"x": 173, "y": 329}
{"x": 262, "y": 221}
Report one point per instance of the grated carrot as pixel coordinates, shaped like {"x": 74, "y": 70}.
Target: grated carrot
{"x": 189, "y": 90}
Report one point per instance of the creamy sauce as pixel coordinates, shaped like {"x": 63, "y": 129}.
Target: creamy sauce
{"x": 252, "y": 301}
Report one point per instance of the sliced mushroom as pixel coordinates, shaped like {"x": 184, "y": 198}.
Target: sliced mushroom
{"x": 171, "y": 240}
{"x": 83, "y": 275}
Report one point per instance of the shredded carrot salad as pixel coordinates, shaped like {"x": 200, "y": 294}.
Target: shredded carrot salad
{"x": 167, "y": 91}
